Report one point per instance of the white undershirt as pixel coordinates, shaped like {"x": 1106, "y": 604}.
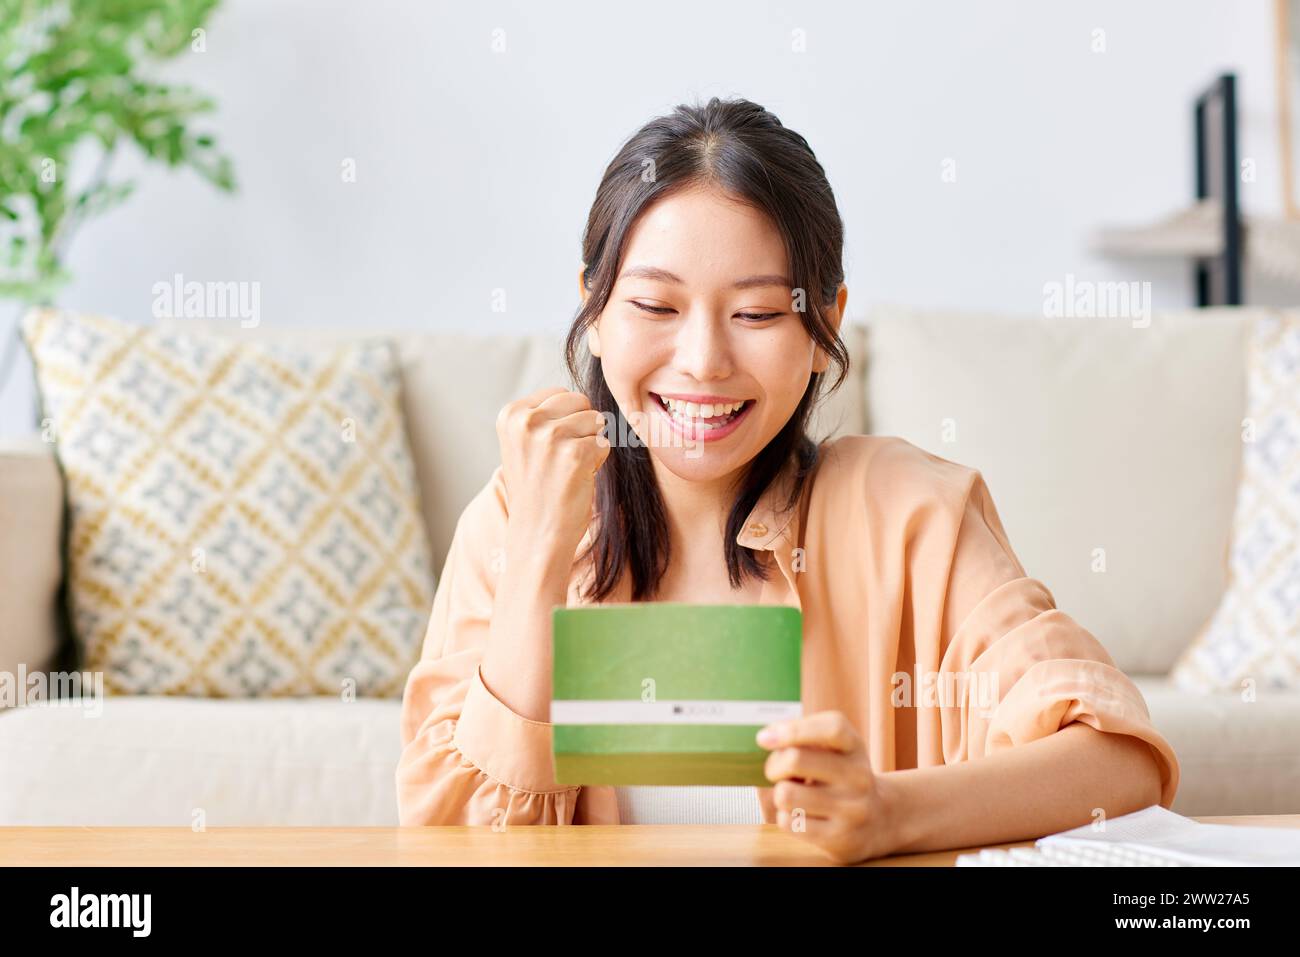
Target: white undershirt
{"x": 692, "y": 804}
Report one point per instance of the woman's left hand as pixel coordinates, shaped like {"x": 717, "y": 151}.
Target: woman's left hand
{"x": 825, "y": 789}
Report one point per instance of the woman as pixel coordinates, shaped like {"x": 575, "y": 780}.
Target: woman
{"x": 712, "y": 298}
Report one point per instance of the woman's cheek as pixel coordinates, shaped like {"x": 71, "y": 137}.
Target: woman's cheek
{"x": 783, "y": 387}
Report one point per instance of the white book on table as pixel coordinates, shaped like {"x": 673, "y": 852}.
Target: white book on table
{"x": 1153, "y": 836}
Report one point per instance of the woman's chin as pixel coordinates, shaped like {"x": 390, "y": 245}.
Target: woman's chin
{"x": 698, "y": 462}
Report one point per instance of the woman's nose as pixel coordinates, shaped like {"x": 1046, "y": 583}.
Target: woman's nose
{"x": 703, "y": 350}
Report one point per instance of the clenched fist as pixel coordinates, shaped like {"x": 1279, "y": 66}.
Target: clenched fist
{"x": 552, "y": 445}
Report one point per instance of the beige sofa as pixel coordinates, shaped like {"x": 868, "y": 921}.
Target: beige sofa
{"x": 1106, "y": 444}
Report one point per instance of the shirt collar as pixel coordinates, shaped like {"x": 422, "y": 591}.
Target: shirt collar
{"x": 768, "y": 524}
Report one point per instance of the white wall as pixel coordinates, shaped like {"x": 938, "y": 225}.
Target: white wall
{"x": 475, "y": 169}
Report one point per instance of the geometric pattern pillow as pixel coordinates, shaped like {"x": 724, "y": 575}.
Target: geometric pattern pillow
{"x": 1255, "y": 632}
{"x": 244, "y": 518}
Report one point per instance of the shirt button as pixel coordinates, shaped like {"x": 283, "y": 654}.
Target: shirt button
{"x": 758, "y": 528}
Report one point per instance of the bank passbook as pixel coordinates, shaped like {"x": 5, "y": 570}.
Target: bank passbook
{"x": 671, "y": 693}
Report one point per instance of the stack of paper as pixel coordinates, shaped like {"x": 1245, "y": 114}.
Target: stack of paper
{"x": 1154, "y": 836}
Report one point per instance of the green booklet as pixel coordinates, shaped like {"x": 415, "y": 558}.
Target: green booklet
{"x": 669, "y": 692}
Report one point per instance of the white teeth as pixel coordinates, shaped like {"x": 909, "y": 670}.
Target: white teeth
{"x": 692, "y": 414}
{"x": 705, "y": 410}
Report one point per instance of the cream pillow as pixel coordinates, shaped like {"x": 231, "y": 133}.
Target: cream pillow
{"x": 244, "y": 519}
{"x": 1254, "y": 634}
{"x": 1112, "y": 451}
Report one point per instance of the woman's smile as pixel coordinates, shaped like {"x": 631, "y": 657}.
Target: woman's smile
{"x": 705, "y": 418}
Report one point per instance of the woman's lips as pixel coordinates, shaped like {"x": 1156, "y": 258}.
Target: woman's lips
{"x": 697, "y": 430}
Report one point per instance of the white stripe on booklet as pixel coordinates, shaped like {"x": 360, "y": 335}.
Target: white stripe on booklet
{"x": 673, "y": 712}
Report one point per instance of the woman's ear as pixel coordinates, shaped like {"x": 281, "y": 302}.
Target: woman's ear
{"x": 834, "y": 315}
{"x": 593, "y": 334}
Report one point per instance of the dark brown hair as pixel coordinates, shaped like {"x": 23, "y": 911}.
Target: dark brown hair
{"x": 743, "y": 150}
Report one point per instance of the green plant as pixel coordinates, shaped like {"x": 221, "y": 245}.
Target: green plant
{"x": 74, "y": 80}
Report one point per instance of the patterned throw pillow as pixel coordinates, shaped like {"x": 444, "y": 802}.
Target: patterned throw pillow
{"x": 244, "y": 517}
{"x": 1255, "y": 632}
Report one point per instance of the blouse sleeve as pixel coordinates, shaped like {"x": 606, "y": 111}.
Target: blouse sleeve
{"x": 1030, "y": 669}
{"x": 467, "y": 758}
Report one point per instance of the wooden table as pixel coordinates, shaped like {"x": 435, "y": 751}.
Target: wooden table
{"x": 627, "y": 844}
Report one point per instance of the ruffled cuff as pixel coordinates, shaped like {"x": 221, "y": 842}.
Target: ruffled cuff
{"x": 480, "y": 763}
{"x": 1048, "y": 672}
{"x": 506, "y": 746}
{"x": 1053, "y": 694}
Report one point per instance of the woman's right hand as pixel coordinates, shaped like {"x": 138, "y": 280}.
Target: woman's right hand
{"x": 551, "y": 448}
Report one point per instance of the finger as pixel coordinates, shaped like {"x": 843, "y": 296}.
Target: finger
{"x": 584, "y": 423}
{"x": 513, "y": 411}
{"x": 560, "y": 404}
{"x": 825, "y": 729}
{"x": 534, "y": 399}
{"x": 811, "y": 800}
{"x": 822, "y": 831}
{"x": 804, "y": 765}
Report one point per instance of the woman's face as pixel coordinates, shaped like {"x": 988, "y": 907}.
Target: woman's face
{"x": 702, "y": 314}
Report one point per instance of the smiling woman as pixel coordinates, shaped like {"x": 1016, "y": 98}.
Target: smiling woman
{"x": 712, "y": 297}
{"x": 730, "y": 292}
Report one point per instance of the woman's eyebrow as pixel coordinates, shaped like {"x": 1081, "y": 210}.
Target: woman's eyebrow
{"x": 663, "y": 275}
{"x": 753, "y": 282}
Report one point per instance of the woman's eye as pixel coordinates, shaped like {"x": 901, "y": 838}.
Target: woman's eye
{"x": 747, "y": 316}
{"x": 657, "y": 310}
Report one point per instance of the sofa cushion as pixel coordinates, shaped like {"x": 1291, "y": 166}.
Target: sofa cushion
{"x": 1254, "y": 634}
{"x": 244, "y": 517}
{"x": 1237, "y": 756}
{"x": 31, "y": 567}
{"x": 168, "y": 761}
{"x": 1112, "y": 451}
{"x": 321, "y": 762}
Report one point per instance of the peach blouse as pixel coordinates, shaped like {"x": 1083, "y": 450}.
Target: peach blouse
{"x": 919, "y": 624}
